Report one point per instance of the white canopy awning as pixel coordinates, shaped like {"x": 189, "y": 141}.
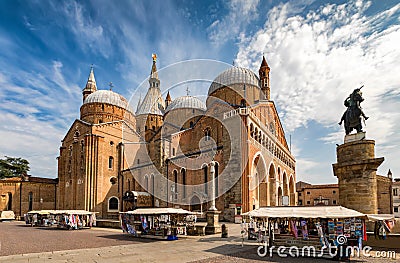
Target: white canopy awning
{"x": 72, "y": 212}
{"x": 304, "y": 212}
{"x": 380, "y": 217}
{"x": 40, "y": 212}
{"x": 159, "y": 211}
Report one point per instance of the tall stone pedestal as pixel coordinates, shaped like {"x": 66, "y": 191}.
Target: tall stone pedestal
{"x": 356, "y": 172}
{"x": 213, "y": 226}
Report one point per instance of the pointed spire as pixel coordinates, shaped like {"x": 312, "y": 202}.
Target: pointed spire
{"x": 263, "y": 74}
{"x": 168, "y": 100}
{"x": 264, "y": 62}
{"x": 90, "y": 84}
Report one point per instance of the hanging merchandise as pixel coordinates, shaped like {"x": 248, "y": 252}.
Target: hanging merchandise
{"x": 293, "y": 228}
{"x": 339, "y": 228}
{"x": 347, "y": 227}
{"x": 358, "y": 226}
{"x": 304, "y": 230}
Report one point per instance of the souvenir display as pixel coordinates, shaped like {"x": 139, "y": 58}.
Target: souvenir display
{"x": 157, "y": 223}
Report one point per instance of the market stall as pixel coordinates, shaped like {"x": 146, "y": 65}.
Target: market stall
{"x": 384, "y": 224}
{"x": 74, "y": 219}
{"x": 158, "y": 223}
{"x": 40, "y": 218}
{"x": 323, "y": 228}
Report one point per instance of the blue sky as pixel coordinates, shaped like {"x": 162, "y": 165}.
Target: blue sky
{"x": 318, "y": 51}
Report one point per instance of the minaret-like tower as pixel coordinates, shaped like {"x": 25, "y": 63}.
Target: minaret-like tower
{"x": 90, "y": 85}
{"x": 154, "y": 80}
{"x": 264, "y": 79}
{"x": 150, "y": 111}
{"x": 167, "y": 100}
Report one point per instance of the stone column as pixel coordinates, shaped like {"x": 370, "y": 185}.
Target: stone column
{"x": 356, "y": 172}
{"x": 212, "y": 175}
{"x": 213, "y": 226}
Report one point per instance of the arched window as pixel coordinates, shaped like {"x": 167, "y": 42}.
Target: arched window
{"x": 30, "y": 201}
{"x": 113, "y": 204}
{"x": 191, "y": 124}
{"x": 207, "y": 134}
{"x": 175, "y": 194}
{"x": 205, "y": 172}
{"x": 110, "y": 162}
{"x": 183, "y": 172}
{"x": 146, "y": 183}
{"x": 216, "y": 178}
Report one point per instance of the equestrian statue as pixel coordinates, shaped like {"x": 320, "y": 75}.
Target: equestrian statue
{"x": 352, "y": 116}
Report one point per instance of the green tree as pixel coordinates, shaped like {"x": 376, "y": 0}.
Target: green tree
{"x": 12, "y": 167}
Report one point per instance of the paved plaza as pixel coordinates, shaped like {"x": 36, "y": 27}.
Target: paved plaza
{"x": 21, "y": 243}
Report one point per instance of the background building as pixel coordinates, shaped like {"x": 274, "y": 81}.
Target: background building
{"x": 26, "y": 193}
{"x": 396, "y": 197}
{"x": 321, "y": 194}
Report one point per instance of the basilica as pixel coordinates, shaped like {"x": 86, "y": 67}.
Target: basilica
{"x": 178, "y": 152}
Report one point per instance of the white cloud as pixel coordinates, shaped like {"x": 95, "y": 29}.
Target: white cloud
{"x": 317, "y": 59}
{"x": 35, "y": 114}
{"x": 240, "y": 14}
{"x": 89, "y": 34}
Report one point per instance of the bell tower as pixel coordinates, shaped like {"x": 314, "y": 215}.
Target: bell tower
{"x": 263, "y": 73}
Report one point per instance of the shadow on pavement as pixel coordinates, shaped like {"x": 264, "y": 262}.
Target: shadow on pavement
{"x": 125, "y": 237}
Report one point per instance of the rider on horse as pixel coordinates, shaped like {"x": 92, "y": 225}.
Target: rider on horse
{"x": 351, "y": 117}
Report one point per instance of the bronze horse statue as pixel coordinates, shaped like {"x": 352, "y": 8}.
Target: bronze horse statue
{"x": 352, "y": 116}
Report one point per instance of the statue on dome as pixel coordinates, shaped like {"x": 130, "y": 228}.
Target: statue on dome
{"x": 352, "y": 116}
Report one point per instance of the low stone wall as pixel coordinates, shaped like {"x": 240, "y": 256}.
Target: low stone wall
{"x": 108, "y": 223}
